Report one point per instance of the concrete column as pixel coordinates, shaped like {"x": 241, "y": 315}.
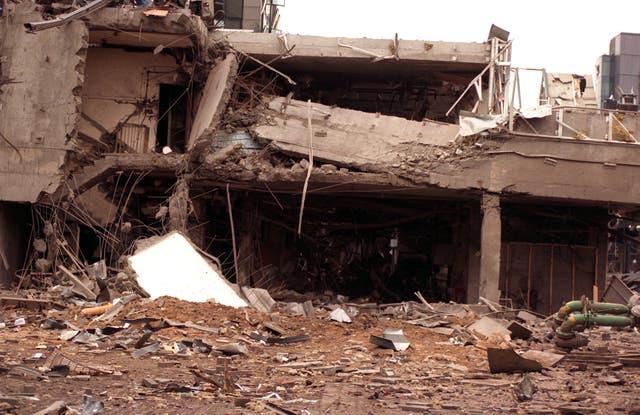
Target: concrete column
{"x": 490, "y": 246}
{"x": 179, "y": 207}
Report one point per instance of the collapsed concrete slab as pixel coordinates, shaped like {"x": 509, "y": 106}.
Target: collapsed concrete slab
{"x": 170, "y": 266}
{"x": 347, "y": 137}
{"x": 215, "y": 98}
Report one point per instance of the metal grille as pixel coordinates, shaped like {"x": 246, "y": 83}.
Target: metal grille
{"x": 132, "y": 138}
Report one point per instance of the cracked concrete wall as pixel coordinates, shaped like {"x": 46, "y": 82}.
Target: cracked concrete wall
{"x": 40, "y": 104}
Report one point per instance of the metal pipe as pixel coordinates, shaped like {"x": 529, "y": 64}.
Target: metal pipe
{"x": 569, "y": 307}
{"x": 567, "y": 329}
{"x": 576, "y": 305}
{"x": 580, "y": 315}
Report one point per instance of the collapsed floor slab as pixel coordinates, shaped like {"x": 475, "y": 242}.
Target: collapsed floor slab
{"x": 347, "y": 137}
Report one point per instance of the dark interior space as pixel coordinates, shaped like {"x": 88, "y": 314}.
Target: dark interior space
{"x": 551, "y": 254}
{"x": 364, "y": 247}
{"x": 172, "y": 118}
{"x": 15, "y": 225}
{"x": 415, "y": 95}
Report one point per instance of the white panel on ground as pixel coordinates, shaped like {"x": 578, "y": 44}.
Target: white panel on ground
{"x": 171, "y": 266}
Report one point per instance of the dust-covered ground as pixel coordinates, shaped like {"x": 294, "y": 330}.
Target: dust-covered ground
{"x": 336, "y": 371}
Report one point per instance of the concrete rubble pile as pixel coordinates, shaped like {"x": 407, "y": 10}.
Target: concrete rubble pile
{"x": 295, "y": 353}
{"x": 200, "y": 213}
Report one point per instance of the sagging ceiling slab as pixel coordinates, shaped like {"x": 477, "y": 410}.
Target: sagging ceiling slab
{"x": 337, "y": 55}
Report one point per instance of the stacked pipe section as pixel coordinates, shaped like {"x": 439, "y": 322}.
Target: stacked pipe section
{"x": 578, "y": 315}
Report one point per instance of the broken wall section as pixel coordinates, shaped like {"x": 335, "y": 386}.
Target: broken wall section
{"x": 39, "y": 101}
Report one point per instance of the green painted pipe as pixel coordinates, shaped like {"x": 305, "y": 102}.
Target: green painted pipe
{"x": 608, "y": 308}
{"x": 576, "y": 305}
{"x": 569, "y": 307}
{"x": 567, "y": 329}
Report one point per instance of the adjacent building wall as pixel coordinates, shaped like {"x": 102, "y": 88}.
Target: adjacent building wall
{"x": 625, "y": 53}
{"x": 39, "y": 104}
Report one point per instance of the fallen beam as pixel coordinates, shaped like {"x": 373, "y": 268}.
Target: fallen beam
{"x": 76, "y": 14}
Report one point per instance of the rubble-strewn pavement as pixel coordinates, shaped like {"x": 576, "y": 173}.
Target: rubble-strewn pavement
{"x": 332, "y": 368}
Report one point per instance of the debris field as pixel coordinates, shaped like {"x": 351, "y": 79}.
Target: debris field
{"x": 165, "y": 355}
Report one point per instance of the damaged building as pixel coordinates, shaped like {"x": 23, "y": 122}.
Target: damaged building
{"x": 374, "y": 168}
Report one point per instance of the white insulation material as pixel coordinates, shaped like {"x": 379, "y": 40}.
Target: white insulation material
{"x": 172, "y": 267}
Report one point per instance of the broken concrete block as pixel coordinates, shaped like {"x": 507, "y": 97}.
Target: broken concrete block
{"x": 527, "y": 317}
{"x": 525, "y": 389}
{"x": 79, "y": 287}
{"x": 392, "y": 339}
{"x": 233, "y": 349}
{"x": 328, "y": 167}
{"x": 616, "y": 366}
{"x": 150, "y": 383}
{"x": 295, "y": 309}
{"x": 507, "y": 360}
{"x": 259, "y": 298}
{"x": 340, "y": 316}
{"x": 55, "y": 408}
{"x": 518, "y": 331}
{"x": 447, "y": 331}
{"x": 546, "y": 359}
{"x": 308, "y": 308}
{"x": 400, "y": 342}
{"x": 490, "y": 327}
{"x": 613, "y": 380}
{"x": 170, "y": 266}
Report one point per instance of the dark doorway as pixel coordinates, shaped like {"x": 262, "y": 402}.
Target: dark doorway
{"x": 172, "y": 121}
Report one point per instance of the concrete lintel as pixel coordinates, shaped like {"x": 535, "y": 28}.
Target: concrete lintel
{"x": 160, "y": 164}
{"x": 130, "y": 27}
{"x": 490, "y": 246}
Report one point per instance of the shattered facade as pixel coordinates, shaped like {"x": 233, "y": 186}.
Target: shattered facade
{"x": 160, "y": 158}
{"x": 365, "y": 166}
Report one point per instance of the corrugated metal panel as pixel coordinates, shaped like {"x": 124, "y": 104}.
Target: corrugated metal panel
{"x": 132, "y": 138}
